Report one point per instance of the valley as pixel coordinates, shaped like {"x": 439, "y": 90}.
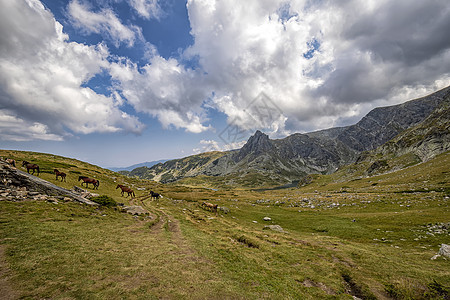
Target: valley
{"x": 371, "y": 238}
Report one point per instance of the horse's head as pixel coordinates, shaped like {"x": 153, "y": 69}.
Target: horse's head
{"x": 24, "y": 163}
{"x": 55, "y": 171}
{"x": 118, "y": 186}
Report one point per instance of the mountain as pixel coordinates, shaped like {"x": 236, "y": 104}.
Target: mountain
{"x": 147, "y": 164}
{"x": 261, "y": 161}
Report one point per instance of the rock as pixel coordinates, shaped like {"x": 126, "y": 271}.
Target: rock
{"x": 135, "y": 210}
{"x": 267, "y": 219}
{"x": 224, "y": 209}
{"x": 78, "y": 190}
{"x": 445, "y": 250}
{"x": 274, "y": 228}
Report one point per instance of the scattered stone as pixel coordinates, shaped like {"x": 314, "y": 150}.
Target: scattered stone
{"x": 135, "y": 210}
{"x": 224, "y": 209}
{"x": 274, "y": 228}
{"x": 267, "y": 219}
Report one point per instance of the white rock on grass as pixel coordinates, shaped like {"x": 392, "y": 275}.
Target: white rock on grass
{"x": 443, "y": 251}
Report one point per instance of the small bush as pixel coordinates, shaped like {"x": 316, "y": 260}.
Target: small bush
{"x": 104, "y": 201}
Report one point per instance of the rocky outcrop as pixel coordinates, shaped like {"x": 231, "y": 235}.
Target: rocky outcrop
{"x": 18, "y": 185}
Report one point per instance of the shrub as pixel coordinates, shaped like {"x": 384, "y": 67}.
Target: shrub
{"x": 104, "y": 201}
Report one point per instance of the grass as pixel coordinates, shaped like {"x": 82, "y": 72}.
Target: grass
{"x": 374, "y": 244}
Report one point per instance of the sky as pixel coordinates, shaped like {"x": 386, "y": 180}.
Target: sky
{"x": 119, "y": 82}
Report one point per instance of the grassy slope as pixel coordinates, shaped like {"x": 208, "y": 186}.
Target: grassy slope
{"x": 376, "y": 242}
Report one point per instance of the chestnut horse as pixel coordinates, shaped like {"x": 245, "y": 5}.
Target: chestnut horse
{"x": 154, "y": 195}
{"x": 126, "y": 189}
{"x": 88, "y": 180}
{"x": 58, "y": 173}
{"x": 210, "y": 206}
{"x": 30, "y": 167}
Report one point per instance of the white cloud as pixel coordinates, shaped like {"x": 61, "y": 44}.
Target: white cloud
{"x": 165, "y": 89}
{"x": 42, "y": 77}
{"x": 104, "y": 22}
{"x": 13, "y": 128}
{"x": 147, "y": 8}
{"x": 212, "y": 145}
{"x": 365, "y": 53}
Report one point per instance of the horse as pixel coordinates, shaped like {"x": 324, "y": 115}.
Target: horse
{"x": 12, "y": 162}
{"x": 58, "y": 173}
{"x": 30, "y": 167}
{"x": 126, "y": 189}
{"x": 88, "y": 180}
{"x": 154, "y": 195}
{"x": 210, "y": 206}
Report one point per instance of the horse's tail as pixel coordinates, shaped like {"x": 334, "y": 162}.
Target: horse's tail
{"x": 98, "y": 183}
{"x": 134, "y": 195}
{"x": 39, "y": 172}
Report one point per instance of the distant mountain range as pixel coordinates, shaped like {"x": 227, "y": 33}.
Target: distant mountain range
{"x": 419, "y": 126}
{"x": 147, "y": 164}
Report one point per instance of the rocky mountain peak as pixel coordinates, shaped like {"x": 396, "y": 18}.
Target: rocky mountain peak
{"x": 256, "y": 145}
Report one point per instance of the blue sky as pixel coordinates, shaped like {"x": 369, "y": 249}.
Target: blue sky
{"x": 118, "y": 82}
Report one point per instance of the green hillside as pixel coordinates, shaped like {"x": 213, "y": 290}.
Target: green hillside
{"x": 367, "y": 237}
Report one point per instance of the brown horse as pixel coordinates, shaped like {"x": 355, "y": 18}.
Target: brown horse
{"x": 30, "y": 167}
{"x": 88, "y": 180}
{"x": 210, "y": 206}
{"x": 126, "y": 189}
{"x": 58, "y": 174}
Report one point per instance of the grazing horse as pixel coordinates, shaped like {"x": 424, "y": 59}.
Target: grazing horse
{"x": 154, "y": 195}
{"x": 88, "y": 180}
{"x": 210, "y": 206}
{"x": 126, "y": 189}
{"x": 58, "y": 173}
{"x": 30, "y": 167}
{"x": 10, "y": 161}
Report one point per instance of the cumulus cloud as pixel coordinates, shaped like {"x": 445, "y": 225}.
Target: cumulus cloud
{"x": 42, "y": 77}
{"x": 165, "y": 89}
{"x": 104, "y": 22}
{"x": 321, "y": 62}
{"x": 13, "y": 128}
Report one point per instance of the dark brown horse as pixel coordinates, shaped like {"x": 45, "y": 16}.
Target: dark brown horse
{"x": 88, "y": 180}
{"x": 126, "y": 190}
{"x": 154, "y": 195}
{"x": 58, "y": 174}
{"x": 30, "y": 167}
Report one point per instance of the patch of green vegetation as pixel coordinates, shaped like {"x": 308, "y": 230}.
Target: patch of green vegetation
{"x": 104, "y": 201}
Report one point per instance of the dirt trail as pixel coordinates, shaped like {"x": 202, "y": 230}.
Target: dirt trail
{"x": 166, "y": 224}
